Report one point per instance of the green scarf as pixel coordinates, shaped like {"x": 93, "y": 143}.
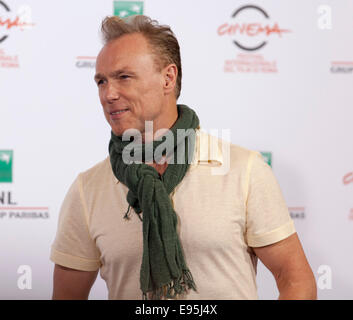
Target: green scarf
{"x": 164, "y": 272}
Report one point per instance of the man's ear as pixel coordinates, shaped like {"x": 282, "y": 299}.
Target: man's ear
{"x": 170, "y": 73}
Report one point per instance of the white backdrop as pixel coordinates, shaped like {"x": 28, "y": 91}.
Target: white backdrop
{"x": 292, "y": 98}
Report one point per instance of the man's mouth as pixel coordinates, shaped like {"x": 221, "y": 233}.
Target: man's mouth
{"x": 118, "y": 114}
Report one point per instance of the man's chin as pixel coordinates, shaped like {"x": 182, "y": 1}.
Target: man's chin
{"x": 127, "y": 131}
{"x": 118, "y": 132}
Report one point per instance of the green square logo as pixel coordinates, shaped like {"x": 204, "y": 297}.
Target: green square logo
{"x": 267, "y": 156}
{"x": 124, "y": 9}
{"x": 6, "y": 157}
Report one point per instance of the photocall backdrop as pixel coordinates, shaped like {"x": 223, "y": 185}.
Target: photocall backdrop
{"x": 277, "y": 74}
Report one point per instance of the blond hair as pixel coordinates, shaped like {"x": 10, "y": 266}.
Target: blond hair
{"x": 160, "y": 38}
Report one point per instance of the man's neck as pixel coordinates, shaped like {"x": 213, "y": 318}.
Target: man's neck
{"x": 161, "y": 126}
{"x": 172, "y": 117}
{"x": 159, "y": 167}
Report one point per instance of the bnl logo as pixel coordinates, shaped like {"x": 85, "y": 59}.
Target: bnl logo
{"x": 124, "y": 9}
{"x": 6, "y": 157}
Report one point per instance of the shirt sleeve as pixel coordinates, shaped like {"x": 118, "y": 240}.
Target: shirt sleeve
{"x": 268, "y": 218}
{"x": 73, "y": 246}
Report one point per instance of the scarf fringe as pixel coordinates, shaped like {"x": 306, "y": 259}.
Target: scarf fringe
{"x": 173, "y": 290}
{"x": 127, "y": 214}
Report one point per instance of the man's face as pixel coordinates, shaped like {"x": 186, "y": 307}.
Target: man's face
{"x": 130, "y": 85}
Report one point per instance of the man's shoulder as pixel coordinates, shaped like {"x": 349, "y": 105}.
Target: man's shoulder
{"x": 220, "y": 147}
{"x": 241, "y": 150}
{"x": 100, "y": 172}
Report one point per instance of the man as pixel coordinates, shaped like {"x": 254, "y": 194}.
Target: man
{"x": 187, "y": 233}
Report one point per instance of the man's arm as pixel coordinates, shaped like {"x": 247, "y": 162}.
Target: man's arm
{"x": 70, "y": 284}
{"x": 288, "y": 264}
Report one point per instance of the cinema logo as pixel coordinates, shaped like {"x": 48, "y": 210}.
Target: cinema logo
{"x": 8, "y": 61}
{"x": 341, "y": 67}
{"x": 250, "y": 63}
{"x": 297, "y": 213}
{"x": 348, "y": 178}
{"x": 250, "y": 29}
{"x": 350, "y": 215}
{"x": 20, "y": 20}
{"x": 11, "y": 22}
{"x": 85, "y": 62}
{"x": 9, "y": 209}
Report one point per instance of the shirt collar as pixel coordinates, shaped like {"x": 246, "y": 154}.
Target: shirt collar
{"x": 208, "y": 150}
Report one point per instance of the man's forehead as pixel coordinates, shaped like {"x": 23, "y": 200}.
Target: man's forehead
{"x": 126, "y": 44}
{"x": 124, "y": 51}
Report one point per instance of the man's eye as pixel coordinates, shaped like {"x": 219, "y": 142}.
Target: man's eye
{"x": 100, "y": 82}
{"x": 124, "y": 76}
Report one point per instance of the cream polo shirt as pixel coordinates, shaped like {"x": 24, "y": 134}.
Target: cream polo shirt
{"x": 228, "y": 202}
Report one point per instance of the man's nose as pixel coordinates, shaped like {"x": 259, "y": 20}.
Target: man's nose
{"x": 112, "y": 92}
